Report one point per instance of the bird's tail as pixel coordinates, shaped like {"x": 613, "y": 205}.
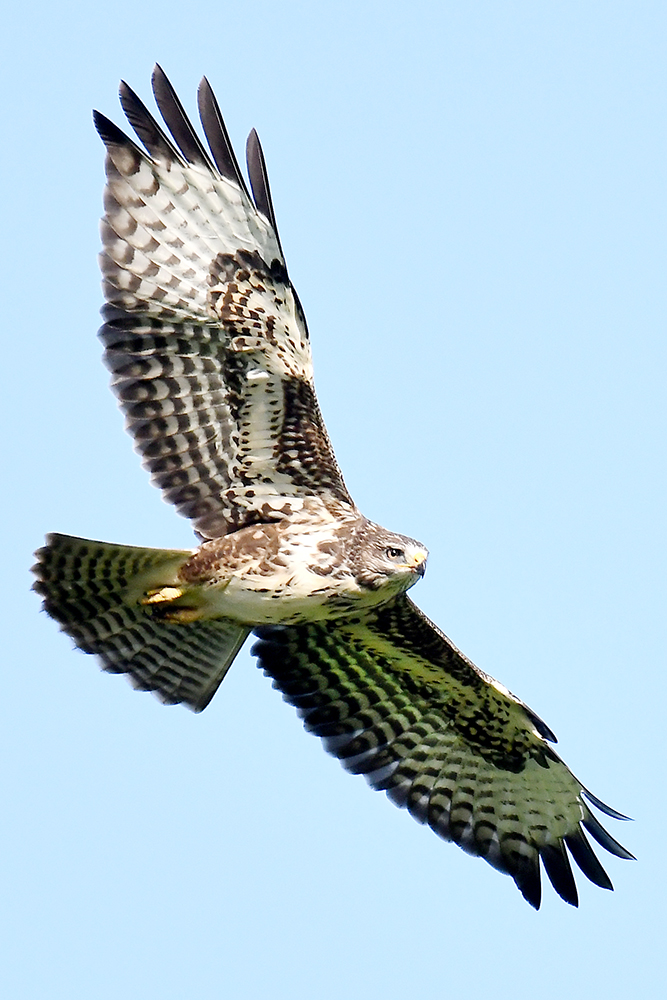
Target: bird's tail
{"x": 111, "y": 600}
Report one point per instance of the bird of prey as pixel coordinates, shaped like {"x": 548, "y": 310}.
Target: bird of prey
{"x": 210, "y": 359}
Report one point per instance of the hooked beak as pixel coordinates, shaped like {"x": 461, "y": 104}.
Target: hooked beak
{"x": 419, "y": 562}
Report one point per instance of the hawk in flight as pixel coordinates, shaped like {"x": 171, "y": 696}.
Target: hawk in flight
{"x": 210, "y": 359}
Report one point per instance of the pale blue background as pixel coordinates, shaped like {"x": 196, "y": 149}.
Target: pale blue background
{"x": 471, "y": 196}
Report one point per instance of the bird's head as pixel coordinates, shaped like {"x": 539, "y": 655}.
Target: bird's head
{"x": 384, "y": 559}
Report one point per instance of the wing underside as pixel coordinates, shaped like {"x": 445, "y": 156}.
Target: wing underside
{"x": 394, "y": 700}
{"x": 204, "y": 334}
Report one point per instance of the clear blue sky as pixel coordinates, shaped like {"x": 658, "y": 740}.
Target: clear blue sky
{"x": 471, "y": 197}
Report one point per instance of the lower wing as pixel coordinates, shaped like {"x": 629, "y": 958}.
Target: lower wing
{"x": 394, "y": 699}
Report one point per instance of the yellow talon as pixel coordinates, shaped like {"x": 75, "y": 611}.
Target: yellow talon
{"x": 162, "y": 595}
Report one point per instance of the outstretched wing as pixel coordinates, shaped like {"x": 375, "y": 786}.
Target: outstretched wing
{"x": 394, "y": 700}
{"x": 204, "y": 334}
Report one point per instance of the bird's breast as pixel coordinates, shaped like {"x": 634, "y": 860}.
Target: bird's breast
{"x": 278, "y": 573}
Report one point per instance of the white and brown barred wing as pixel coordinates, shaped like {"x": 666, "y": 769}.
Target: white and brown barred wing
{"x": 391, "y": 697}
{"x": 204, "y": 334}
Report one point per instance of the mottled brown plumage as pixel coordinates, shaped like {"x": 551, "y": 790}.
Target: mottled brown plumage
{"x": 210, "y": 359}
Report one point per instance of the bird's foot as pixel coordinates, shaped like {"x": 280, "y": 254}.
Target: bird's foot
{"x": 161, "y": 604}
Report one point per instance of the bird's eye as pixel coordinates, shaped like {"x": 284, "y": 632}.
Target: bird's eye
{"x": 395, "y": 553}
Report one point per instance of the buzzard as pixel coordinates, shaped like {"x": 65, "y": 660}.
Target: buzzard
{"x": 209, "y": 355}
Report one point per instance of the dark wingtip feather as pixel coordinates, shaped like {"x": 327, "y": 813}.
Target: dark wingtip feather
{"x": 587, "y": 860}
{"x": 527, "y": 878}
{"x": 259, "y": 181}
{"x": 217, "y": 135}
{"x": 109, "y": 133}
{"x": 143, "y": 123}
{"x": 599, "y": 804}
{"x": 540, "y": 725}
{"x": 604, "y": 839}
{"x": 557, "y": 866}
{"x": 177, "y": 121}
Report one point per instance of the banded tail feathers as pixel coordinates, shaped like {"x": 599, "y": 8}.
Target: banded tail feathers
{"x": 113, "y": 600}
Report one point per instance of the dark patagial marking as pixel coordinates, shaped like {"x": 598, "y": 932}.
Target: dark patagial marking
{"x": 226, "y": 269}
{"x": 303, "y": 431}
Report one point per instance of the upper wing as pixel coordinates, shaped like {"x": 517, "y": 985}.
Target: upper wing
{"x": 204, "y": 334}
{"x": 396, "y": 701}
